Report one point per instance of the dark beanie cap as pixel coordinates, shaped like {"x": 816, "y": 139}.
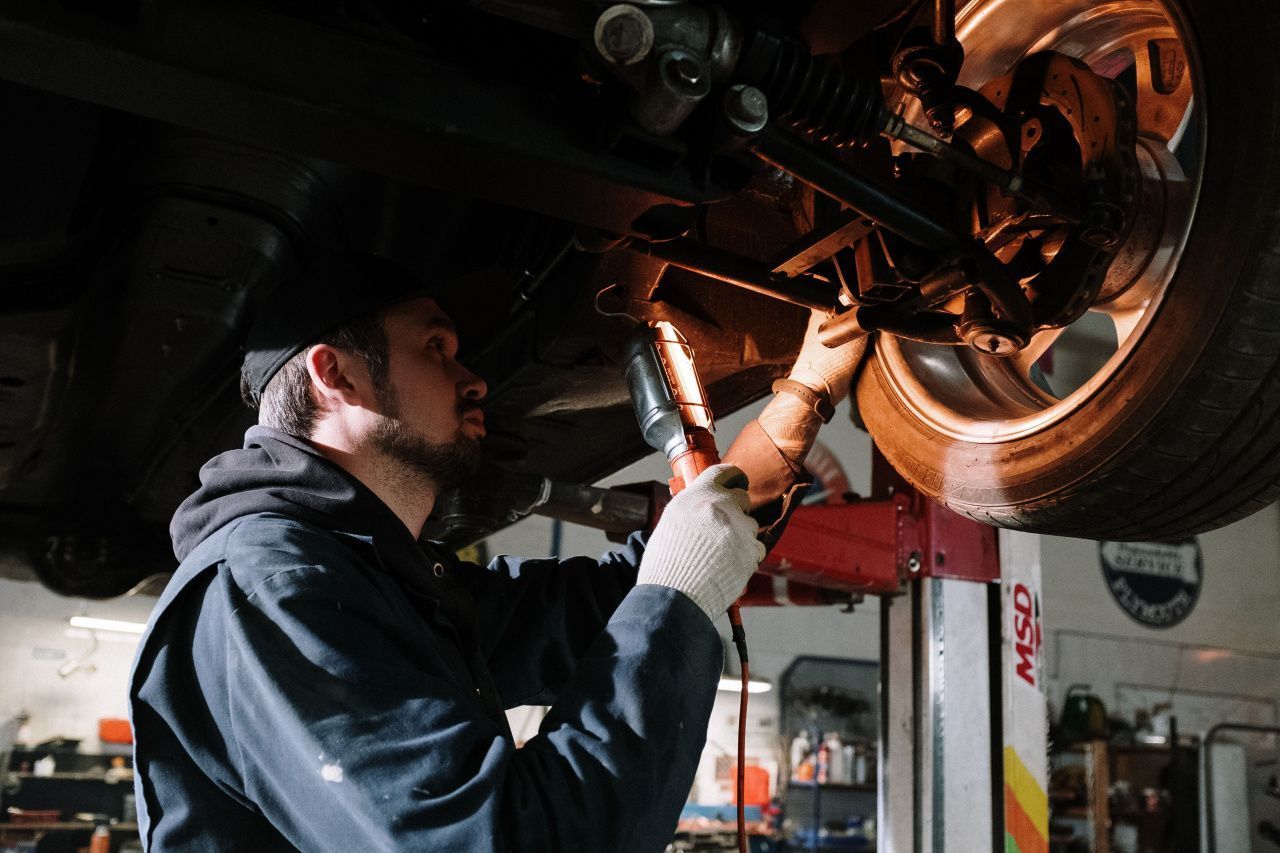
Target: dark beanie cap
{"x": 301, "y": 309}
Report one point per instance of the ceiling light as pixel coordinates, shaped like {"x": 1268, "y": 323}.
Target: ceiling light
{"x": 117, "y": 625}
{"x": 734, "y": 685}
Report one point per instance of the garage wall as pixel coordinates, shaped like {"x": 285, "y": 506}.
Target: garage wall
{"x": 36, "y": 640}
{"x": 1239, "y": 600}
{"x": 1228, "y": 646}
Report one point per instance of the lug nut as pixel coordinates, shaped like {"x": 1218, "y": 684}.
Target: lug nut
{"x": 1101, "y": 228}
{"x": 623, "y": 34}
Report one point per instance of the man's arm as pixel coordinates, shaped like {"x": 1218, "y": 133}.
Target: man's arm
{"x": 772, "y": 448}
{"x": 548, "y": 610}
{"x": 349, "y": 736}
{"x": 541, "y": 615}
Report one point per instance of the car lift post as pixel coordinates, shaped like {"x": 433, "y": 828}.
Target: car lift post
{"x": 963, "y": 753}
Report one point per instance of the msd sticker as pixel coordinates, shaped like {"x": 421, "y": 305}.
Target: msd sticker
{"x": 1026, "y": 634}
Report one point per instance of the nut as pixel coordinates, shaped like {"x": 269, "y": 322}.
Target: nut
{"x": 990, "y": 341}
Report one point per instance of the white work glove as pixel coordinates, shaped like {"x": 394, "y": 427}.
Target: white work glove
{"x": 825, "y": 369}
{"x": 705, "y": 543}
{"x": 792, "y": 423}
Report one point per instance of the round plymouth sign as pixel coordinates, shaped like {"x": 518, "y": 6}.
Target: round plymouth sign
{"x": 1157, "y": 583}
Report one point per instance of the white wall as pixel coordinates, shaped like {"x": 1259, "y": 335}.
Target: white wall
{"x": 1228, "y": 644}
{"x": 36, "y": 640}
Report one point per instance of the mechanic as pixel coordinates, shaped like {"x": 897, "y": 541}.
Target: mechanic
{"x": 314, "y": 677}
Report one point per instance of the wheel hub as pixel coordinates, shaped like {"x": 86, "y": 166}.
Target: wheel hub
{"x": 1135, "y": 47}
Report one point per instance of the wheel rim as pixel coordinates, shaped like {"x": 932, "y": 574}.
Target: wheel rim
{"x": 977, "y": 398}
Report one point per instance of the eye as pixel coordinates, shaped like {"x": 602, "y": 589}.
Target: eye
{"x": 438, "y": 344}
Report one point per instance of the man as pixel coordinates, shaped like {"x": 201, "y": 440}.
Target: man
{"x": 316, "y": 678}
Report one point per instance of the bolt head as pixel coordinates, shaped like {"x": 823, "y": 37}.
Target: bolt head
{"x": 622, "y": 37}
{"x": 746, "y": 107}
{"x": 1100, "y": 230}
{"x": 623, "y": 34}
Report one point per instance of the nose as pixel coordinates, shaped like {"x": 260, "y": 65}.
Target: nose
{"x": 470, "y": 386}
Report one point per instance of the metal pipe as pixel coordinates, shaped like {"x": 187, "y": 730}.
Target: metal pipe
{"x": 841, "y": 329}
{"x": 1209, "y": 839}
{"x": 944, "y": 22}
{"x": 1041, "y": 198}
{"x": 737, "y": 270}
{"x": 610, "y": 510}
{"x": 882, "y": 204}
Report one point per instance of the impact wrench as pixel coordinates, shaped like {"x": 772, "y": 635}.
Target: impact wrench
{"x": 675, "y": 418}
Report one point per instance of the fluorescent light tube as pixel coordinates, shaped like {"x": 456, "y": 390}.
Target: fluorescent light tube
{"x": 734, "y": 685}
{"x": 117, "y": 625}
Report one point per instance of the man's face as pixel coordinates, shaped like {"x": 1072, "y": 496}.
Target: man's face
{"x": 432, "y": 422}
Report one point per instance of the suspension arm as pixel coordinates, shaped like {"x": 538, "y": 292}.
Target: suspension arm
{"x": 894, "y": 211}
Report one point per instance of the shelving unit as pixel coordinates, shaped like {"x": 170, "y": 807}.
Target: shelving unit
{"x": 1144, "y": 768}
{"x": 828, "y": 695}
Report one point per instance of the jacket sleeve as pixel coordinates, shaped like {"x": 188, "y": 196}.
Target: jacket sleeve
{"x": 349, "y": 736}
{"x": 541, "y": 616}
{"x": 543, "y": 613}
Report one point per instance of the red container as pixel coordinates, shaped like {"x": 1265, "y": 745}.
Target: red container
{"x": 755, "y": 785}
{"x": 18, "y": 816}
{"x": 112, "y": 730}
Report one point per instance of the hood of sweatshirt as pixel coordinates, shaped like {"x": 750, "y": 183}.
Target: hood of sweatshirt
{"x": 278, "y": 473}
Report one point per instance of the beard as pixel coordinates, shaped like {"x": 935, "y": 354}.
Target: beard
{"x": 442, "y": 464}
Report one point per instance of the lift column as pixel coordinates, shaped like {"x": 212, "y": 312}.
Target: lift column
{"x": 963, "y": 741}
{"x": 963, "y": 730}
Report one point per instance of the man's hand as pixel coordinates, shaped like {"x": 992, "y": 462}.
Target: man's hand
{"x": 705, "y": 543}
{"x": 827, "y": 370}
{"x": 791, "y": 421}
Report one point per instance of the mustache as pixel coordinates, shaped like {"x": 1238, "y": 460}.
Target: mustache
{"x": 466, "y": 407}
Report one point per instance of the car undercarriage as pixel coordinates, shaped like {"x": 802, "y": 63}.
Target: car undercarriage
{"x": 927, "y": 173}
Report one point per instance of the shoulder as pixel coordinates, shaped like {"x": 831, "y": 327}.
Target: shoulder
{"x": 273, "y": 552}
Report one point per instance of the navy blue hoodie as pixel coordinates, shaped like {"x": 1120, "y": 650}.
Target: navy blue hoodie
{"x": 313, "y": 678}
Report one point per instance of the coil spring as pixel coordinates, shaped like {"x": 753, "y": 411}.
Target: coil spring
{"x": 814, "y": 94}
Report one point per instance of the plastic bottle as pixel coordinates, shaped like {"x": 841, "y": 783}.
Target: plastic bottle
{"x": 835, "y": 759}
{"x": 824, "y": 764}
{"x": 100, "y": 842}
{"x": 799, "y": 752}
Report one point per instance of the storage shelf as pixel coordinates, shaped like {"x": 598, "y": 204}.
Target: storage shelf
{"x": 82, "y": 776}
{"x": 66, "y": 826}
{"x": 835, "y": 786}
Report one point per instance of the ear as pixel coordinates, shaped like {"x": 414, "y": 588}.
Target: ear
{"x": 338, "y": 377}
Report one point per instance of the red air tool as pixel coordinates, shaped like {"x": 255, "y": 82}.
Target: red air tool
{"x": 675, "y": 418}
